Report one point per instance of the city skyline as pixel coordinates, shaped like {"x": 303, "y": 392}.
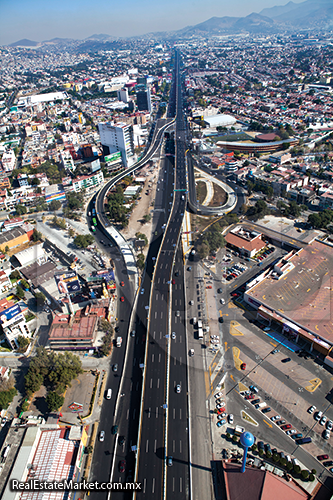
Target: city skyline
{"x": 37, "y": 21}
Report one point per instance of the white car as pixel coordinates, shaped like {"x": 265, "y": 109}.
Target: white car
{"x": 178, "y": 388}
{"x": 218, "y": 395}
{"x": 173, "y": 335}
{"x": 311, "y": 409}
{"x": 323, "y": 420}
{"x": 231, "y": 418}
{"x": 326, "y": 434}
{"x": 102, "y": 436}
{"x": 329, "y": 425}
{"x": 221, "y": 415}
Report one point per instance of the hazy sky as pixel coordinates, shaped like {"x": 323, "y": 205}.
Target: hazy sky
{"x": 40, "y": 20}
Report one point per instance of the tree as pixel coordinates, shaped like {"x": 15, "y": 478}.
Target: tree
{"x": 71, "y": 232}
{"x": 297, "y": 469}
{"x": 305, "y": 474}
{"x": 23, "y": 342}
{"x": 203, "y": 250}
{"x": 36, "y": 235}
{"x": 35, "y": 181}
{"x": 15, "y": 275}
{"x": 6, "y": 397}
{"x": 289, "y": 466}
{"x": 83, "y": 240}
{"x": 24, "y": 284}
{"x": 276, "y": 457}
{"x": 21, "y": 209}
{"x": 40, "y": 298}
{"x": 146, "y": 218}
{"x": 19, "y": 292}
{"x": 254, "y": 447}
{"x": 54, "y": 401}
{"x": 54, "y": 205}
{"x": 312, "y": 477}
{"x": 140, "y": 262}
{"x": 283, "y": 461}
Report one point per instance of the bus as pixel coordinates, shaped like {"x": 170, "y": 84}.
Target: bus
{"x": 93, "y": 229}
{"x": 94, "y": 221}
{"x": 93, "y": 211}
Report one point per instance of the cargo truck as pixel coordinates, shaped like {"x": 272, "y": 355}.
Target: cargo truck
{"x": 200, "y": 333}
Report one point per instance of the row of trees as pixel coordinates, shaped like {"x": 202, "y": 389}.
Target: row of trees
{"x": 56, "y": 371}
{"x": 322, "y": 220}
{"x": 117, "y": 210}
{"x": 83, "y": 240}
{"x": 211, "y": 240}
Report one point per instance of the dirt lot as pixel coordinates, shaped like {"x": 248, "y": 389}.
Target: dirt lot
{"x": 219, "y": 198}
{"x": 201, "y": 191}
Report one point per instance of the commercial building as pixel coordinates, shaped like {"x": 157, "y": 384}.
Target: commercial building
{"x": 31, "y": 100}
{"x": 122, "y": 95}
{"x": 246, "y": 242}
{"x": 15, "y": 237}
{"x": 118, "y": 138}
{"x": 143, "y": 99}
{"x": 296, "y": 295}
{"x": 219, "y": 121}
{"x": 13, "y": 321}
{"x": 88, "y": 181}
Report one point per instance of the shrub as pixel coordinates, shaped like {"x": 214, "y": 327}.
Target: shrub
{"x": 289, "y": 466}
{"x": 268, "y": 454}
{"x": 254, "y": 447}
{"x": 261, "y": 452}
{"x": 234, "y": 439}
{"x": 276, "y": 457}
{"x": 228, "y": 435}
{"x": 314, "y": 472}
{"x": 305, "y": 474}
{"x": 283, "y": 462}
{"x": 311, "y": 477}
{"x": 297, "y": 469}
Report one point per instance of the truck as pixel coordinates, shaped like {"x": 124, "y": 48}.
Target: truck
{"x": 199, "y": 323}
{"x": 119, "y": 341}
{"x": 238, "y": 430}
{"x": 200, "y": 333}
{"x": 261, "y": 405}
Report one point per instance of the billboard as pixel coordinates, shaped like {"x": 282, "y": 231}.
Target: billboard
{"x": 95, "y": 165}
{"x": 9, "y": 313}
{"x": 67, "y": 282}
{"x": 113, "y": 157}
{"x": 110, "y": 280}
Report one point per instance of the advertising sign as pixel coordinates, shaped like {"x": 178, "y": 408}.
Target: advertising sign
{"x": 95, "y": 165}
{"x": 67, "y": 282}
{"x": 76, "y": 407}
{"x": 110, "y": 280}
{"x": 113, "y": 157}
{"x": 9, "y": 313}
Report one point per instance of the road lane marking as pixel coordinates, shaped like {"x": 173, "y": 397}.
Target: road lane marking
{"x": 269, "y": 425}
{"x": 314, "y": 384}
{"x": 207, "y": 383}
{"x": 153, "y": 487}
{"x": 147, "y": 446}
{"x": 155, "y": 445}
{"x": 158, "y": 383}
{"x": 237, "y": 361}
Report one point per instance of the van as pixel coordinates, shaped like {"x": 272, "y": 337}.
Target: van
{"x": 109, "y": 394}
{"x": 194, "y": 320}
{"x": 199, "y": 323}
{"x": 200, "y": 333}
{"x": 304, "y": 440}
{"x": 295, "y": 461}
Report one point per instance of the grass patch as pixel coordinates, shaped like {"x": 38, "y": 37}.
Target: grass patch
{"x": 201, "y": 191}
{"x": 245, "y": 416}
{"x": 231, "y": 137}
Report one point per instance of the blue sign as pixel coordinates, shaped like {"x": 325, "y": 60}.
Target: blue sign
{"x": 9, "y": 313}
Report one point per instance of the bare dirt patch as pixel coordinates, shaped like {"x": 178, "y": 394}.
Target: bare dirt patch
{"x": 201, "y": 191}
{"x": 219, "y": 198}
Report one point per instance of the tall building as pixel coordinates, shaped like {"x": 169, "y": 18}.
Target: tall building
{"x": 118, "y": 137}
{"x": 143, "y": 100}
{"x": 122, "y": 95}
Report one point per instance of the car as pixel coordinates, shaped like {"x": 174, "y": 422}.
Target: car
{"x": 132, "y": 333}
{"x": 311, "y": 409}
{"x": 299, "y": 435}
{"x": 275, "y": 417}
{"x": 191, "y": 302}
{"x": 122, "y": 465}
{"x": 218, "y": 395}
{"x": 234, "y": 294}
{"x": 231, "y": 418}
{"x": 329, "y": 425}
{"x": 326, "y": 434}
{"x": 209, "y": 286}
{"x": 220, "y": 407}
{"x": 255, "y": 401}
{"x": 115, "y": 367}
{"x": 291, "y": 431}
{"x": 261, "y": 445}
{"x": 221, "y": 422}
{"x": 4, "y": 421}
{"x": 250, "y": 396}
{"x": 243, "y": 366}
{"x": 173, "y": 281}
{"x": 323, "y": 419}
{"x": 177, "y": 273}
{"x": 191, "y": 352}
{"x": 173, "y": 335}
{"x": 222, "y": 301}
{"x": 169, "y": 461}
{"x": 189, "y": 268}
{"x": 178, "y": 388}
{"x": 220, "y": 411}
{"x": 122, "y": 299}
{"x": 285, "y": 427}
{"x": 117, "y": 328}
{"x": 219, "y": 401}
{"x": 121, "y": 440}
{"x": 280, "y": 422}
{"x": 221, "y": 320}
{"x": 142, "y": 291}
{"x": 219, "y": 290}
{"x": 318, "y": 415}
{"x": 266, "y": 410}
{"x": 275, "y": 351}
{"x": 253, "y": 388}
{"x": 285, "y": 360}
{"x": 114, "y": 429}
{"x": 322, "y": 457}
{"x": 328, "y": 463}
{"x": 221, "y": 415}
{"x": 122, "y": 283}
{"x": 102, "y": 435}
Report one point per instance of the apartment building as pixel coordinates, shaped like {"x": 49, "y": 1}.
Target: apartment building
{"x": 118, "y": 137}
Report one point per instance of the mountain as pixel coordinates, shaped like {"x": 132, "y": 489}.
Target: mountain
{"x": 255, "y": 23}
{"x": 24, "y": 43}
{"x": 273, "y": 12}
{"x": 100, "y": 37}
{"x": 308, "y": 14}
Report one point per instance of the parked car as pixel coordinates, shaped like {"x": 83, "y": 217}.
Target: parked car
{"x": 231, "y": 418}
{"x": 221, "y": 422}
{"x": 218, "y": 395}
{"x": 322, "y": 457}
{"x": 266, "y": 410}
{"x": 328, "y": 463}
{"x": 285, "y": 427}
{"x": 312, "y": 409}
{"x": 275, "y": 417}
{"x": 326, "y": 434}
{"x": 250, "y": 396}
{"x": 297, "y": 436}
{"x": 329, "y": 425}
{"x": 255, "y": 401}
{"x": 323, "y": 419}
{"x": 243, "y": 366}
{"x": 291, "y": 431}
{"x": 280, "y": 422}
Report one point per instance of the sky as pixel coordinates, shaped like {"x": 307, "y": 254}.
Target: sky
{"x": 41, "y": 20}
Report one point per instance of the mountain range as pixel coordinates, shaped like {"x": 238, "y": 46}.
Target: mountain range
{"x": 292, "y": 17}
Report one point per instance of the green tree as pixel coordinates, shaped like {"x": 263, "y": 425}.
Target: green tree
{"x": 312, "y": 477}
{"x": 40, "y": 298}
{"x": 23, "y": 342}
{"x": 203, "y": 250}
{"x": 24, "y": 284}
{"x": 71, "y": 232}
{"x": 74, "y": 200}
{"x": 83, "y": 240}
{"x": 276, "y": 457}
{"x": 21, "y": 209}
{"x": 297, "y": 469}
{"x": 35, "y": 181}
{"x": 283, "y": 462}
{"x": 36, "y": 235}
{"x": 54, "y": 205}
{"x": 6, "y": 397}
{"x": 140, "y": 262}
{"x": 305, "y": 474}
{"x": 15, "y": 275}
{"x": 54, "y": 401}
{"x": 141, "y": 236}
{"x": 146, "y": 218}
{"x": 19, "y": 292}
{"x": 289, "y": 466}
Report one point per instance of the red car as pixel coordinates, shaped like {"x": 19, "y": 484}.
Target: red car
{"x": 173, "y": 282}
{"x": 122, "y": 283}
{"x": 221, "y": 410}
{"x": 122, "y": 465}
{"x": 285, "y": 427}
{"x": 234, "y": 294}
{"x": 323, "y": 457}
{"x": 209, "y": 286}
{"x": 243, "y": 366}
{"x": 250, "y": 396}
{"x": 122, "y": 299}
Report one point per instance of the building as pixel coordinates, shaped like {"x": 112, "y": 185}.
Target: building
{"x": 219, "y": 121}
{"x": 13, "y": 322}
{"x": 88, "y": 181}
{"x": 15, "y": 237}
{"x": 8, "y": 161}
{"x": 118, "y": 138}
{"x": 30, "y": 255}
{"x": 5, "y": 282}
{"x": 31, "y": 100}
{"x": 73, "y": 332}
{"x": 143, "y": 99}
{"x": 67, "y": 160}
{"x": 122, "y": 95}
{"x": 47, "y": 454}
{"x": 296, "y": 296}
{"x": 12, "y": 223}
{"x": 23, "y": 180}
{"x": 246, "y": 242}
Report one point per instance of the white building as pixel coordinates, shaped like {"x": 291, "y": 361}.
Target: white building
{"x": 122, "y": 95}
{"x": 88, "y": 181}
{"x": 30, "y": 100}
{"x": 67, "y": 160}
{"x": 8, "y": 160}
{"x": 118, "y": 138}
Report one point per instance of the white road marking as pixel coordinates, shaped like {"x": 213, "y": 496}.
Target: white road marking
{"x": 155, "y": 445}
{"x": 158, "y": 383}
{"x": 151, "y": 383}
{"x": 153, "y": 488}
{"x": 152, "y": 358}
{"x": 149, "y": 410}
{"x": 147, "y": 446}
{"x": 127, "y": 414}
{"x": 173, "y": 446}
{"x": 144, "y": 485}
